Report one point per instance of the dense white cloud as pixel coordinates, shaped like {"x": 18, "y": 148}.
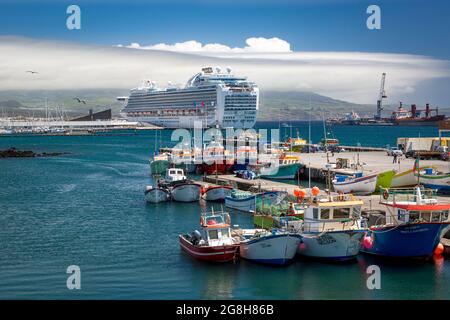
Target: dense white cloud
{"x": 253, "y": 45}
{"x": 350, "y": 76}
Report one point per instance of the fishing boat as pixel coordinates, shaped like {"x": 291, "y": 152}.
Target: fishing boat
{"x": 181, "y": 189}
{"x": 412, "y": 225}
{"x": 247, "y": 201}
{"x": 186, "y": 191}
{"x": 288, "y": 166}
{"x": 435, "y": 180}
{"x": 274, "y": 248}
{"x": 406, "y": 178}
{"x": 241, "y": 200}
{"x": 156, "y": 194}
{"x": 214, "y": 242}
{"x": 332, "y": 228}
{"x": 357, "y": 184}
{"x": 159, "y": 163}
{"x": 216, "y": 159}
{"x": 216, "y": 193}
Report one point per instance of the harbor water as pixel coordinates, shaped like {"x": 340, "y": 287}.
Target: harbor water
{"x": 87, "y": 208}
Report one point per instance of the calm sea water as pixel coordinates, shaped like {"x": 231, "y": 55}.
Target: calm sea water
{"x": 87, "y": 209}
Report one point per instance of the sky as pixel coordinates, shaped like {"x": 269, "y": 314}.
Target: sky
{"x": 321, "y": 45}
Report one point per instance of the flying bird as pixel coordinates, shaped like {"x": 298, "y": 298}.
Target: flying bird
{"x": 32, "y": 72}
{"x": 79, "y": 100}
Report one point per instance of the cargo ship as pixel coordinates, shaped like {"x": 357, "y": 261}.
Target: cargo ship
{"x": 414, "y": 117}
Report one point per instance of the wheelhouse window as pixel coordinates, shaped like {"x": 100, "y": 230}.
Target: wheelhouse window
{"x": 213, "y": 234}
{"x": 414, "y": 216}
{"x": 325, "y": 214}
{"x": 436, "y": 216}
{"x": 426, "y": 216}
{"x": 444, "y": 216}
{"x": 315, "y": 213}
{"x": 341, "y": 213}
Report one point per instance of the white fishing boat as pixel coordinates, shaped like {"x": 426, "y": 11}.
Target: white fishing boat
{"x": 435, "y": 180}
{"x": 406, "y": 178}
{"x": 332, "y": 228}
{"x": 357, "y": 184}
{"x": 216, "y": 193}
{"x": 241, "y": 200}
{"x": 262, "y": 246}
{"x": 186, "y": 191}
{"x": 156, "y": 195}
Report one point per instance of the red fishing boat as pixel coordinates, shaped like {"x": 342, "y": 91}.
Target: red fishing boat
{"x": 216, "y": 159}
{"x": 214, "y": 242}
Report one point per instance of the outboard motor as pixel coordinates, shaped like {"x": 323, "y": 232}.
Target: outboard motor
{"x": 196, "y": 237}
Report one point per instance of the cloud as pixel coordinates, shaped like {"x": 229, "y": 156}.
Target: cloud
{"x": 350, "y": 76}
{"x": 253, "y": 45}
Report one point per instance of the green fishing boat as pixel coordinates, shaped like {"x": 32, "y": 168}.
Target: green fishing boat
{"x": 159, "y": 164}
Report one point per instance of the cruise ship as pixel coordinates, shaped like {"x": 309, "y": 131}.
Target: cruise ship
{"x": 212, "y": 98}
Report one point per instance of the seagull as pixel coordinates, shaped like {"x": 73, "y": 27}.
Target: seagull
{"x": 32, "y": 72}
{"x": 79, "y": 100}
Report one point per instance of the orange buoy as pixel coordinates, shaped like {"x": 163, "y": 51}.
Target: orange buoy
{"x": 296, "y": 192}
{"x": 439, "y": 249}
{"x": 315, "y": 191}
{"x": 302, "y": 193}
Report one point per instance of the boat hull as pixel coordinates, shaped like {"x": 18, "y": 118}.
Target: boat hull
{"x": 217, "y": 193}
{"x": 272, "y": 249}
{"x": 284, "y": 172}
{"x": 247, "y": 204}
{"x": 405, "y": 179}
{"x": 188, "y": 192}
{"x": 208, "y": 253}
{"x": 157, "y": 195}
{"x": 404, "y": 241}
{"x": 384, "y": 180}
{"x": 335, "y": 245}
{"x": 363, "y": 185}
{"x": 441, "y": 183}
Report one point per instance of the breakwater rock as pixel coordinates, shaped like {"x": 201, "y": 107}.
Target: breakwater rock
{"x": 14, "y": 153}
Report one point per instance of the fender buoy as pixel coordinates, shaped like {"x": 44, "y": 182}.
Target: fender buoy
{"x": 439, "y": 249}
{"x": 385, "y": 194}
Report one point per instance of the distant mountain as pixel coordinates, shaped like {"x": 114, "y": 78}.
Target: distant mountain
{"x": 285, "y": 105}
{"x": 274, "y": 105}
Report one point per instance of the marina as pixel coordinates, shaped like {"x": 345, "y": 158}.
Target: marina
{"x": 119, "y": 171}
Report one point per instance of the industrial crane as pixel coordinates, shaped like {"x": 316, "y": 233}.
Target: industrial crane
{"x": 381, "y": 96}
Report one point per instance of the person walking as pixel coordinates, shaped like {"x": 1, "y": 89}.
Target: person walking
{"x": 395, "y": 158}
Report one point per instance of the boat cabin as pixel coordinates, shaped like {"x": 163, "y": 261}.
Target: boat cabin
{"x": 333, "y": 214}
{"x": 174, "y": 174}
{"x": 216, "y": 230}
{"x": 406, "y": 205}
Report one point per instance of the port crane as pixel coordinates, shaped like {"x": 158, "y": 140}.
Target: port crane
{"x": 381, "y": 96}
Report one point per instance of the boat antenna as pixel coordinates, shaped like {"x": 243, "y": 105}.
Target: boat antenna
{"x": 309, "y": 146}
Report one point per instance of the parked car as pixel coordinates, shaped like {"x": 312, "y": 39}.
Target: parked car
{"x": 394, "y": 151}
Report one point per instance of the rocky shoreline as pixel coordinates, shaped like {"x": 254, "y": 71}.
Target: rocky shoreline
{"x": 14, "y": 153}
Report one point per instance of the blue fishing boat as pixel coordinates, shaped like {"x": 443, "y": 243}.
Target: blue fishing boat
{"x": 411, "y": 227}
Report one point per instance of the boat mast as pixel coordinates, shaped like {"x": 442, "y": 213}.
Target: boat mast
{"x": 309, "y": 147}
